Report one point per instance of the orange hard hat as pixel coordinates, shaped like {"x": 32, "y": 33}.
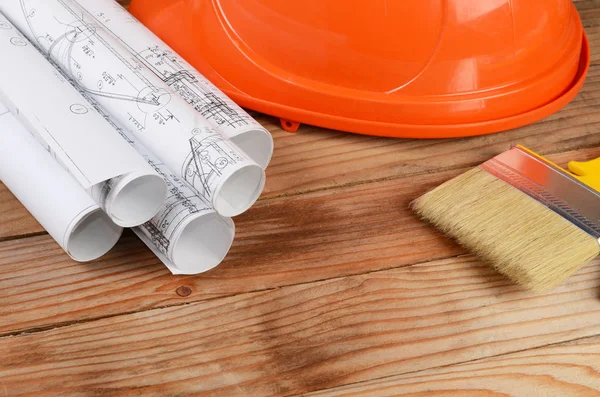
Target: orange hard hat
{"x": 400, "y": 68}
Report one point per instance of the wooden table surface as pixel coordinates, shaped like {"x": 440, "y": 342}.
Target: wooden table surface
{"x": 333, "y": 288}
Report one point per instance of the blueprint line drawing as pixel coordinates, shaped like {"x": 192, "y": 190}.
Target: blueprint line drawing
{"x": 184, "y": 129}
{"x": 64, "y": 123}
{"x": 171, "y": 69}
{"x": 211, "y": 106}
{"x": 206, "y": 161}
{"x": 183, "y": 206}
{"x": 219, "y": 110}
{"x": 157, "y": 116}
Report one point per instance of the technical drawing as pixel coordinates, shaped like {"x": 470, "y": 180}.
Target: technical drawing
{"x": 157, "y": 237}
{"x": 78, "y": 108}
{"x": 123, "y": 81}
{"x": 218, "y": 109}
{"x": 212, "y": 107}
{"x": 205, "y": 163}
{"x": 182, "y": 203}
{"x": 148, "y": 97}
{"x": 18, "y": 41}
{"x": 74, "y": 45}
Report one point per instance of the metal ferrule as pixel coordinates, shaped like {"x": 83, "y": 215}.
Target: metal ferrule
{"x": 550, "y": 185}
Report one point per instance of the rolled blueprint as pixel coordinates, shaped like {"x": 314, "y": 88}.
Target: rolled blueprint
{"x": 62, "y": 120}
{"x": 146, "y": 106}
{"x": 220, "y": 111}
{"x": 51, "y": 195}
{"x": 187, "y": 234}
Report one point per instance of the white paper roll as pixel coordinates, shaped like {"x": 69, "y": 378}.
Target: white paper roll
{"x": 221, "y": 112}
{"x": 131, "y": 200}
{"x": 51, "y": 195}
{"x": 79, "y": 138}
{"x": 187, "y": 234}
{"x": 144, "y": 104}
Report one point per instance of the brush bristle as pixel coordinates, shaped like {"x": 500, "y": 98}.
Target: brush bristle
{"x": 504, "y": 227}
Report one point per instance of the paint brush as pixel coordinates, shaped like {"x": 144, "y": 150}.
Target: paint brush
{"x": 531, "y": 220}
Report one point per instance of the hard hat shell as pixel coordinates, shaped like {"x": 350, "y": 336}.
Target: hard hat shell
{"x": 400, "y": 68}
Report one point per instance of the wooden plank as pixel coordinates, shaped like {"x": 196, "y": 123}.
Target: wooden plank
{"x": 280, "y": 242}
{"x": 572, "y": 369}
{"x": 303, "y": 338}
{"x": 15, "y": 220}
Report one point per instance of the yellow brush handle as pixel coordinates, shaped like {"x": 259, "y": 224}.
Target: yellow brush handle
{"x": 587, "y": 172}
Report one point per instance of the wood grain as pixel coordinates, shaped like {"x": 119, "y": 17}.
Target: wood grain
{"x": 15, "y": 220}
{"x": 331, "y": 282}
{"x": 283, "y": 241}
{"x": 303, "y": 338}
{"x": 287, "y": 240}
{"x": 572, "y": 369}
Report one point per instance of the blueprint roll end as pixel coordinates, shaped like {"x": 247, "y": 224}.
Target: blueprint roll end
{"x": 257, "y": 144}
{"x": 91, "y": 236}
{"x": 237, "y": 193}
{"x": 203, "y": 243}
{"x": 136, "y": 199}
